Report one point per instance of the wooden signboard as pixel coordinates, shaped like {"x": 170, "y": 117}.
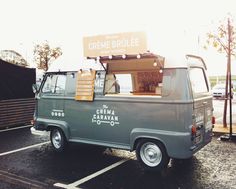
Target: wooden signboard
{"x": 115, "y": 44}
{"x": 85, "y": 85}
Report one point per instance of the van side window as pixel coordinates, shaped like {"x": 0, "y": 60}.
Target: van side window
{"x": 54, "y": 85}
{"x": 71, "y": 84}
{"x": 198, "y": 80}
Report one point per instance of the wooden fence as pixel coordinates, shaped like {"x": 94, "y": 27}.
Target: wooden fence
{"x": 16, "y": 112}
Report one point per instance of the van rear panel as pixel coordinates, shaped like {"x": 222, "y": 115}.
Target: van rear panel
{"x": 202, "y": 107}
{"x": 203, "y": 123}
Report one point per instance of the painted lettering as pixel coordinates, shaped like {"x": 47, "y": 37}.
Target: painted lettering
{"x": 105, "y": 116}
{"x": 99, "y": 45}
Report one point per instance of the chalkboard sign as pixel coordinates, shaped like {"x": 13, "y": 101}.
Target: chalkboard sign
{"x": 85, "y": 85}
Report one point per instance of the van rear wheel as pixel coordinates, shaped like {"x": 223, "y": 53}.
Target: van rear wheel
{"x": 58, "y": 139}
{"x": 152, "y": 155}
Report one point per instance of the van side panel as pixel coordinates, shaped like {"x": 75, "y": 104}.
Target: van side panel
{"x": 121, "y": 120}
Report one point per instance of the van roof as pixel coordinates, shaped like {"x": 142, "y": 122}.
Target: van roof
{"x": 61, "y": 64}
{"x": 184, "y": 61}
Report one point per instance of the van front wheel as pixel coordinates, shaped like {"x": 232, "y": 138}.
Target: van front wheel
{"x": 152, "y": 155}
{"x": 58, "y": 139}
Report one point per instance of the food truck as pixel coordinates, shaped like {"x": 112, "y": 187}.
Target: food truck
{"x": 161, "y": 107}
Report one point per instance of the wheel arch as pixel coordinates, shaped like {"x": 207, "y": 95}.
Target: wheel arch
{"x": 142, "y": 138}
{"x": 145, "y": 134}
{"x": 64, "y": 129}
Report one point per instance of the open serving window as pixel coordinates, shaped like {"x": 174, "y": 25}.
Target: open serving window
{"x": 134, "y": 74}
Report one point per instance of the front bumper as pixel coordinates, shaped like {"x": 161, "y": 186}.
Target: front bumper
{"x": 39, "y": 133}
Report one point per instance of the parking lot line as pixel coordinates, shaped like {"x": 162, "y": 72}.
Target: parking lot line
{"x": 20, "y": 180}
{"x": 75, "y": 184}
{"x": 15, "y": 128}
{"x": 25, "y": 148}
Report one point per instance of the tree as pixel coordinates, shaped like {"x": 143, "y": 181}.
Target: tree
{"x": 224, "y": 41}
{"x": 44, "y": 54}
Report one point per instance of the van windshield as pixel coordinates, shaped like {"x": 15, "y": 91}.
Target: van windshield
{"x": 54, "y": 84}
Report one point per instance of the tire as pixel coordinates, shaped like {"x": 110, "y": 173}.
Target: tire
{"x": 152, "y": 155}
{"x": 58, "y": 140}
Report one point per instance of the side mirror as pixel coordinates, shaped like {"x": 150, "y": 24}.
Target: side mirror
{"x": 35, "y": 88}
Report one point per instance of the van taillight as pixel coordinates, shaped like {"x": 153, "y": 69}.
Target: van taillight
{"x": 32, "y": 121}
{"x": 194, "y": 130}
{"x": 213, "y": 120}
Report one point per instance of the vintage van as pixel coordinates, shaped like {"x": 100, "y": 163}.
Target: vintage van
{"x": 158, "y": 106}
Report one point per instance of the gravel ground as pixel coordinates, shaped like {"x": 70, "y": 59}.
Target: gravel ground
{"x": 214, "y": 166}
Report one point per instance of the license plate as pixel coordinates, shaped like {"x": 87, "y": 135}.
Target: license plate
{"x": 198, "y": 139}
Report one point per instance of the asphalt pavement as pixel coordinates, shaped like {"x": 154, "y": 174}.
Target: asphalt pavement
{"x": 29, "y": 161}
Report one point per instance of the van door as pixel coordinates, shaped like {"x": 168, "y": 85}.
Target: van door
{"x": 202, "y": 108}
{"x": 51, "y": 99}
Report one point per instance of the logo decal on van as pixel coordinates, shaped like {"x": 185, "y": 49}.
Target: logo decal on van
{"x": 105, "y": 115}
{"x": 57, "y": 113}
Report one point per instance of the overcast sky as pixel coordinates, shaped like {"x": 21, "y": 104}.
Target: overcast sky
{"x": 170, "y": 25}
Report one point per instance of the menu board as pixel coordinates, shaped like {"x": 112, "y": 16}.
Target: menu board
{"x": 85, "y": 85}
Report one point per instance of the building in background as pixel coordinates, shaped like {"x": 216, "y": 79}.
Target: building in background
{"x": 13, "y": 57}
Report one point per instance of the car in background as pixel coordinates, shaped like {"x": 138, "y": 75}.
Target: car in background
{"x": 218, "y": 91}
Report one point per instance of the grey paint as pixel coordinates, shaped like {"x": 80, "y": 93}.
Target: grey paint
{"x": 168, "y": 119}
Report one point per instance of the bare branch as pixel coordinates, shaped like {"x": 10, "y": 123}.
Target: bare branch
{"x": 222, "y": 44}
{"x": 43, "y": 53}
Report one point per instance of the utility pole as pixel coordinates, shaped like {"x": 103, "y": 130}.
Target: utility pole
{"x": 226, "y": 94}
{"x": 231, "y": 136}
{"x": 229, "y": 73}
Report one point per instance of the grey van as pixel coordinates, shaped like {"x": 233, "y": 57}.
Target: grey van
{"x": 159, "y": 107}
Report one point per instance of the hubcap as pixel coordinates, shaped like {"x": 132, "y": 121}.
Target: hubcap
{"x": 56, "y": 139}
{"x": 150, "y": 154}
